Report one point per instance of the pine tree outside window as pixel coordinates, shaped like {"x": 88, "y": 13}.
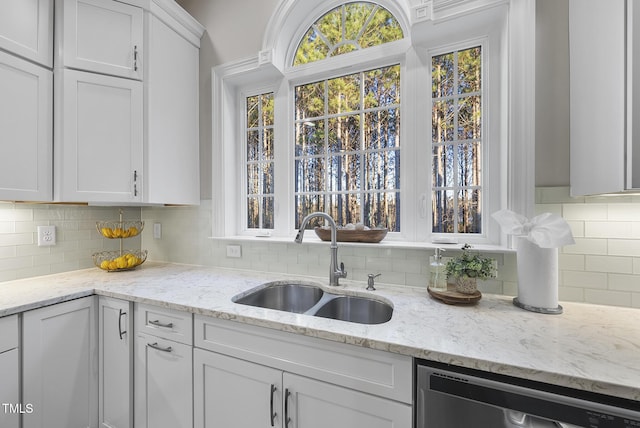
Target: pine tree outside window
{"x": 457, "y": 141}
{"x": 347, "y": 129}
{"x": 259, "y": 161}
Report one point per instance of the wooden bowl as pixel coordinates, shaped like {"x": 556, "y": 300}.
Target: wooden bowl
{"x": 351, "y": 235}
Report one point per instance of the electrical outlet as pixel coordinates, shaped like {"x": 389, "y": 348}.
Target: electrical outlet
{"x": 46, "y": 236}
{"x": 234, "y": 251}
{"x": 157, "y": 230}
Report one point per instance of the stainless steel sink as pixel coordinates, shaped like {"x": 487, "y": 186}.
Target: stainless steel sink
{"x": 356, "y": 309}
{"x": 290, "y": 297}
{"x": 301, "y": 298}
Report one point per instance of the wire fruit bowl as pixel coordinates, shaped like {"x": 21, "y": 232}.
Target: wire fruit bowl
{"x": 120, "y": 229}
{"x": 115, "y": 261}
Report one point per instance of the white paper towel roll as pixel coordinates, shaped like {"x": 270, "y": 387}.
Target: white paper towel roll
{"x": 537, "y": 276}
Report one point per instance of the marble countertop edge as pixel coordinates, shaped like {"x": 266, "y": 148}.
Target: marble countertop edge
{"x": 544, "y": 349}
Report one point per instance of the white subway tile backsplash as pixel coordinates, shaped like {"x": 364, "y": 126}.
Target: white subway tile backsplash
{"x": 587, "y": 246}
{"x": 584, "y": 212}
{"x": 624, "y": 247}
{"x": 620, "y": 282}
{"x": 606, "y": 297}
{"x": 603, "y": 267}
{"x": 623, "y": 212}
{"x": 76, "y": 235}
{"x": 586, "y": 280}
{"x": 610, "y": 264}
{"x": 607, "y": 229}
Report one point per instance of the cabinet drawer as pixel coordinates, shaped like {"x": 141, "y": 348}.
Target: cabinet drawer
{"x": 369, "y": 370}
{"x": 163, "y": 322}
{"x": 8, "y": 333}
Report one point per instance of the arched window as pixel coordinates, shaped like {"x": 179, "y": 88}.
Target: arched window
{"x": 376, "y": 112}
{"x": 347, "y": 28}
{"x": 347, "y": 128}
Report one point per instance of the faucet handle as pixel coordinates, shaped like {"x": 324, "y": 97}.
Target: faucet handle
{"x": 341, "y": 272}
{"x": 370, "y": 281}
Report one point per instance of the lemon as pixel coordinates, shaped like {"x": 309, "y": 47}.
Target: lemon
{"x": 133, "y": 231}
{"x": 104, "y": 265}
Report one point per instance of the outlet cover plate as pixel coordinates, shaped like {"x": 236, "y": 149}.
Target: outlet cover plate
{"x": 46, "y": 236}
{"x": 234, "y": 251}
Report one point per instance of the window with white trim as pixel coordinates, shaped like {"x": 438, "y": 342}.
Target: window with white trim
{"x": 347, "y": 148}
{"x": 259, "y": 161}
{"x": 342, "y": 121}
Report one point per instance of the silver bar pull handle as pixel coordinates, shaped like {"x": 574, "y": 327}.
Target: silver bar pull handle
{"x": 157, "y": 323}
{"x": 287, "y": 419}
{"x": 121, "y": 332}
{"x": 273, "y": 414}
{"x": 159, "y": 348}
{"x": 135, "y": 58}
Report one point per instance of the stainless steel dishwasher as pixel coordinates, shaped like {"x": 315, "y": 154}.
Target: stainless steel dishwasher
{"x": 448, "y": 397}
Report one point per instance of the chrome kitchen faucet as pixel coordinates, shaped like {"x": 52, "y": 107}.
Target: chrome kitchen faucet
{"x": 335, "y": 273}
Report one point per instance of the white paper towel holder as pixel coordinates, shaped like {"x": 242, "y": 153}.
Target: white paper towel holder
{"x": 549, "y": 311}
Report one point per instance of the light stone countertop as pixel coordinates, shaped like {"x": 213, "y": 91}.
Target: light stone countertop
{"x": 588, "y": 347}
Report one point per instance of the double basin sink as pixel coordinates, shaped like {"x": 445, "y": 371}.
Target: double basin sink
{"x": 301, "y": 298}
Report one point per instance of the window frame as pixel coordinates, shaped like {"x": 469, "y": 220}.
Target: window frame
{"x": 268, "y": 72}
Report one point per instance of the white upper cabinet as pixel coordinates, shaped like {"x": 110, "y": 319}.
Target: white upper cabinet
{"x": 101, "y": 36}
{"x": 26, "y": 29}
{"x": 99, "y": 154}
{"x": 26, "y": 130}
{"x": 604, "y": 39}
{"x": 172, "y": 144}
{"x": 117, "y": 140}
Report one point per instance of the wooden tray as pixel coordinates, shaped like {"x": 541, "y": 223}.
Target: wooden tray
{"x": 350, "y": 235}
{"x": 452, "y": 297}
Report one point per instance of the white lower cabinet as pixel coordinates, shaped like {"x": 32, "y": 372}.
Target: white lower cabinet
{"x": 115, "y": 336}
{"x": 231, "y": 393}
{"x": 234, "y": 393}
{"x": 247, "y": 376}
{"x": 11, "y": 408}
{"x": 163, "y": 369}
{"x": 60, "y": 365}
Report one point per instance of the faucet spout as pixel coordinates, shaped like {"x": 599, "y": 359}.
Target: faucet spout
{"x": 335, "y": 272}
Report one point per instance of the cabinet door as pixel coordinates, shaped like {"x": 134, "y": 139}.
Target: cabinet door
{"x": 26, "y": 29}
{"x": 313, "y": 404}
{"x": 60, "y": 367}
{"x": 172, "y": 141}
{"x": 234, "y": 393}
{"x": 10, "y": 374}
{"x": 98, "y": 147}
{"x": 597, "y": 96}
{"x": 26, "y": 130}
{"x": 103, "y": 36}
{"x": 9, "y": 390}
{"x": 115, "y": 333}
{"x": 163, "y": 383}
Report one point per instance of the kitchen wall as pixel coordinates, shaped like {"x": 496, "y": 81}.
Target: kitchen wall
{"x": 76, "y": 236}
{"x": 603, "y": 266}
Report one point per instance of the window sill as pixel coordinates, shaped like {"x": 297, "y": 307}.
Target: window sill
{"x": 385, "y": 244}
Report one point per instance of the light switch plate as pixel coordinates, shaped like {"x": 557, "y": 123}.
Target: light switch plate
{"x": 46, "y": 236}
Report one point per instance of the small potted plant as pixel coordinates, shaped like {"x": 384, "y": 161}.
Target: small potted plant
{"x": 467, "y": 268}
